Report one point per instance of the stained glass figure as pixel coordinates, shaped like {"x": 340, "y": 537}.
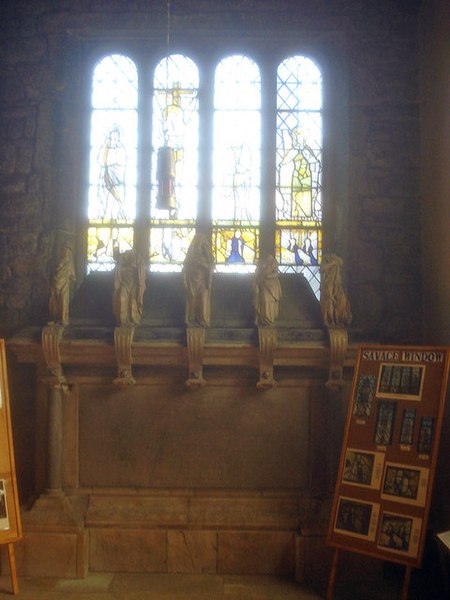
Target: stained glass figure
{"x": 175, "y": 125}
{"x": 169, "y": 246}
{"x": 298, "y": 247}
{"x": 112, "y": 183}
{"x": 101, "y": 244}
{"x": 235, "y": 194}
{"x": 236, "y": 162}
{"x": 113, "y": 158}
{"x": 235, "y": 250}
{"x": 299, "y": 168}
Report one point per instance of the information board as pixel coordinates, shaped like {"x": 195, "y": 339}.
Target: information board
{"x": 388, "y": 460}
{"x": 10, "y": 523}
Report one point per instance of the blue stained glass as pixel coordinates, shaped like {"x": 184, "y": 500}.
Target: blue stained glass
{"x": 235, "y": 249}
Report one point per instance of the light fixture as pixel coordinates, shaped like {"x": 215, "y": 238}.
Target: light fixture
{"x": 165, "y": 165}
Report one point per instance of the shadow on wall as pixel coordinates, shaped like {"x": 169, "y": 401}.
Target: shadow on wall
{"x": 231, "y": 302}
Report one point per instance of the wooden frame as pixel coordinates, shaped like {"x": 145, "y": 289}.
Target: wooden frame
{"x": 10, "y": 523}
{"x": 389, "y": 454}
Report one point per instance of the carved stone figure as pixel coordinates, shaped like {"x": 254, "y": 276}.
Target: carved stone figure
{"x": 335, "y": 305}
{"x": 197, "y": 271}
{"x": 60, "y": 289}
{"x": 266, "y": 291}
{"x": 129, "y": 287}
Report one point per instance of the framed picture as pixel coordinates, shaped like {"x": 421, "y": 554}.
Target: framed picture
{"x": 407, "y": 426}
{"x": 10, "y": 522}
{"x": 356, "y": 519}
{"x": 4, "y": 520}
{"x": 364, "y": 395}
{"x": 399, "y": 534}
{"x": 405, "y": 484}
{"x": 425, "y": 443}
{"x": 363, "y": 468}
{"x": 401, "y": 381}
{"x": 384, "y": 427}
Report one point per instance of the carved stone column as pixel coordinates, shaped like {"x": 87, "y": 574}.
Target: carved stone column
{"x": 267, "y": 346}
{"x": 57, "y": 385}
{"x": 195, "y": 345}
{"x": 55, "y": 440}
{"x": 53, "y": 520}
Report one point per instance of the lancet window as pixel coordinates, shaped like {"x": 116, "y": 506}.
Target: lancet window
{"x": 226, "y": 147}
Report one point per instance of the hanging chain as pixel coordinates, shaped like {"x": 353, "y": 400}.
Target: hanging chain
{"x": 166, "y": 133}
{"x": 168, "y": 26}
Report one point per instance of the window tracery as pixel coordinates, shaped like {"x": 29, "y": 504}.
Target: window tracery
{"x": 224, "y": 135}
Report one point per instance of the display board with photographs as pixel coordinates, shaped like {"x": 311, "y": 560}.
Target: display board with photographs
{"x": 385, "y": 479}
{"x": 10, "y": 523}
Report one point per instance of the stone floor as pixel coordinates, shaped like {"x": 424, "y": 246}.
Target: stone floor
{"x": 126, "y": 586}
{"x": 108, "y": 586}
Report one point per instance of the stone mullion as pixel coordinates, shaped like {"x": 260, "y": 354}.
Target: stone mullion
{"x": 206, "y": 118}
{"x": 268, "y": 147}
{"x": 144, "y": 183}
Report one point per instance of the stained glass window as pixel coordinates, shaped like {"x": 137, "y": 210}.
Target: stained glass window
{"x": 113, "y": 160}
{"x": 299, "y": 168}
{"x": 174, "y": 113}
{"x": 236, "y": 163}
{"x": 175, "y": 126}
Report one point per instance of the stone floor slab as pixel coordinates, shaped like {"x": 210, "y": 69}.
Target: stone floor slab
{"x": 264, "y": 588}
{"x": 168, "y": 584}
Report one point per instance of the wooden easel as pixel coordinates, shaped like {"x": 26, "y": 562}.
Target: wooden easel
{"x": 12, "y": 569}
{"x": 333, "y": 573}
{"x": 392, "y": 432}
{"x": 443, "y": 540}
{"x": 10, "y": 523}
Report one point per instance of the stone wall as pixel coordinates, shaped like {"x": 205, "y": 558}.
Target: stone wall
{"x": 40, "y": 105}
{"x": 373, "y": 221}
{"x": 435, "y": 99}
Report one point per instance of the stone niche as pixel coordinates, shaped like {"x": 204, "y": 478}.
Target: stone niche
{"x": 160, "y": 477}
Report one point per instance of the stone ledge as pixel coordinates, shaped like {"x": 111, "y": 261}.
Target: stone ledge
{"x": 99, "y": 352}
{"x": 249, "y": 513}
{"x": 193, "y": 512}
{"x": 137, "y": 511}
